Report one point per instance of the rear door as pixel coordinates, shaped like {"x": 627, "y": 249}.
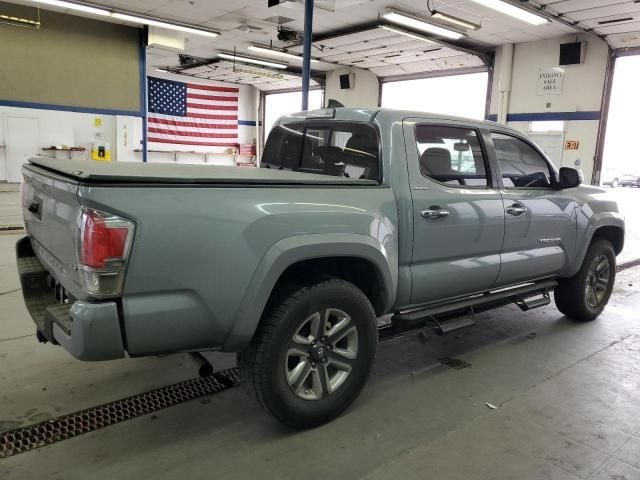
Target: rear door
{"x": 540, "y": 220}
{"x": 458, "y": 214}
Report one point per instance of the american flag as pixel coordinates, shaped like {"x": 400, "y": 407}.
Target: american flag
{"x": 191, "y": 114}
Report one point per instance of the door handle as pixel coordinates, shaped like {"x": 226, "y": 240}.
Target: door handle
{"x": 434, "y": 213}
{"x": 516, "y": 209}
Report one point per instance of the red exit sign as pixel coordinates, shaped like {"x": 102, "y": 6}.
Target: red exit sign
{"x": 571, "y": 145}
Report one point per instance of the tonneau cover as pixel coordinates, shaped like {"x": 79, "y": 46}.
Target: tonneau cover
{"x": 91, "y": 171}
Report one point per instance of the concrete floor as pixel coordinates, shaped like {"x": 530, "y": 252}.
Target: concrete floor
{"x": 10, "y": 214}
{"x": 567, "y": 398}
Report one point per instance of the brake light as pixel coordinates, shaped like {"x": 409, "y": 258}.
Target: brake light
{"x": 99, "y": 242}
{"x": 103, "y": 250}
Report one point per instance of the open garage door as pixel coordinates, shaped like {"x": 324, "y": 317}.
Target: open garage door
{"x": 620, "y": 160}
{"x": 462, "y": 95}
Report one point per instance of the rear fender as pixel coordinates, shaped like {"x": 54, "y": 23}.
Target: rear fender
{"x": 291, "y": 250}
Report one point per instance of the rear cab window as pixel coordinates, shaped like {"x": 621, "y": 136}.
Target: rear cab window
{"x": 340, "y": 149}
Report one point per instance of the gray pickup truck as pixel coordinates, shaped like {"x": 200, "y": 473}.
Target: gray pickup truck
{"x": 355, "y": 214}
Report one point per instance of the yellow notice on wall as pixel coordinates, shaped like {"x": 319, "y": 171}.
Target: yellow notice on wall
{"x": 97, "y": 122}
{"x": 101, "y": 152}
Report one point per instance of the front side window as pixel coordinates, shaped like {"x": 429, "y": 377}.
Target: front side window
{"x": 343, "y": 150}
{"x": 451, "y": 155}
{"x": 521, "y": 165}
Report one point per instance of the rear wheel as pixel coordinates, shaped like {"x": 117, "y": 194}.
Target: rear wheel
{"x": 584, "y": 296}
{"x": 312, "y": 353}
{"x": 615, "y": 183}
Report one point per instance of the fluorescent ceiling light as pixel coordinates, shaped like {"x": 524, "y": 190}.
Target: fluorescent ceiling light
{"x": 455, "y": 20}
{"x": 74, "y": 6}
{"x": 238, "y": 58}
{"x": 127, "y": 18}
{"x": 422, "y": 25}
{"x": 23, "y": 22}
{"x": 405, "y": 33}
{"x": 157, "y": 23}
{"x": 513, "y": 11}
{"x": 276, "y": 53}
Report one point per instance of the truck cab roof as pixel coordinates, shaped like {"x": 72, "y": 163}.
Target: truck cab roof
{"x": 390, "y": 115}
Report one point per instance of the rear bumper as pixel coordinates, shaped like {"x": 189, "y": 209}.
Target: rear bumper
{"x": 88, "y": 331}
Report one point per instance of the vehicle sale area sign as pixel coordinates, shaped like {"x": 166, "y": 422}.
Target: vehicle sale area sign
{"x": 550, "y": 81}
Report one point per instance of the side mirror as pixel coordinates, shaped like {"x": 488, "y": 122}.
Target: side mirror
{"x": 569, "y": 177}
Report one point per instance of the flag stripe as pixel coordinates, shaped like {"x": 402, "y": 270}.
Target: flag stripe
{"x": 189, "y": 133}
{"x": 191, "y": 142}
{"x": 223, "y": 121}
{"x": 219, "y": 98}
{"x": 191, "y": 105}
{"x": 231, "y": 103}
{"x": 202, "y": 115}
{"x": 171, "y": 128}
{"x": 212, "y": 88}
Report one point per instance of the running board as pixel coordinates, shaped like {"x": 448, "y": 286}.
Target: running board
{"x": 531, "y": 303}
{"x": 521, "y": 296}
{"x": 442, "y": 328}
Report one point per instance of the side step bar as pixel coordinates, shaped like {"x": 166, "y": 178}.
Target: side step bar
{"x": 442, "y": 328}
{"x": 531, "y": 303}
{"x": 447, "y": 317}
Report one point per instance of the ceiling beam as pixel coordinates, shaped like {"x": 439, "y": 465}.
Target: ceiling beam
{"x": 486, "y": 55}
{"x": 544, "y": 11}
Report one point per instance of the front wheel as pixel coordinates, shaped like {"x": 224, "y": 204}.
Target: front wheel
{"x": 584, "y": 296}
{"x": 615, "y": 183}
{"x": 312, "y": 353}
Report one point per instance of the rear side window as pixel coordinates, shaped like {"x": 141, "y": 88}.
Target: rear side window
{"x": 520, "y": 164}
{"x": 342, "y": 150}
{"x": 451, "y": 155}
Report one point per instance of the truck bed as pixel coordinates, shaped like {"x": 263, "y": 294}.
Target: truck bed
{"x": 166, "y": 173}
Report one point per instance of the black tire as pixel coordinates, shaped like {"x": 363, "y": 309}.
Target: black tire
{"x": 615, "y": 183}
{"x": 264, "y": 368}
{"x": 571, "y": 295}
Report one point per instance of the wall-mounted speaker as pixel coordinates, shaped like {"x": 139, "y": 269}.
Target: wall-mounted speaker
{"x": 572, "y": 53}
{"x": 347, "y": 81}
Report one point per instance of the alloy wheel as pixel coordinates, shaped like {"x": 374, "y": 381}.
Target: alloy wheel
{"x": 321, "y": 354}
{"x": 598, "y": 281}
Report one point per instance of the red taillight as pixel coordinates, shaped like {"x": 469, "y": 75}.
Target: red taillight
{"x": 104, "y": 244}
{"x": 101, "y": 241}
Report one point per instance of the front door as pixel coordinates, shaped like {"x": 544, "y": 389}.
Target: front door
{"x": 540, "y": 221}
{"x": 458, "y": 215}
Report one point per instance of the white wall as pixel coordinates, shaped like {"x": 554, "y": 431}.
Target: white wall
{"x": 128, "y": 139}
{"x": 582, "y": 91}
{"x": 247, "y": 134}
{"x": 123, "y": 133}
{"x": 364, "y": 92}
{"x": 61, "y": 128}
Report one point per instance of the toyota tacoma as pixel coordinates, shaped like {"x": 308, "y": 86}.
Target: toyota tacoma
{"x": 354, "y": 215}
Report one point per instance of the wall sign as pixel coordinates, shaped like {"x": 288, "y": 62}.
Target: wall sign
{"x": 550, "y": 81}
{"x": 571, "y": 145}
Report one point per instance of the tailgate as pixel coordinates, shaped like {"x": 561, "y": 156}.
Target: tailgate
{"x": 50, "y": 208}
